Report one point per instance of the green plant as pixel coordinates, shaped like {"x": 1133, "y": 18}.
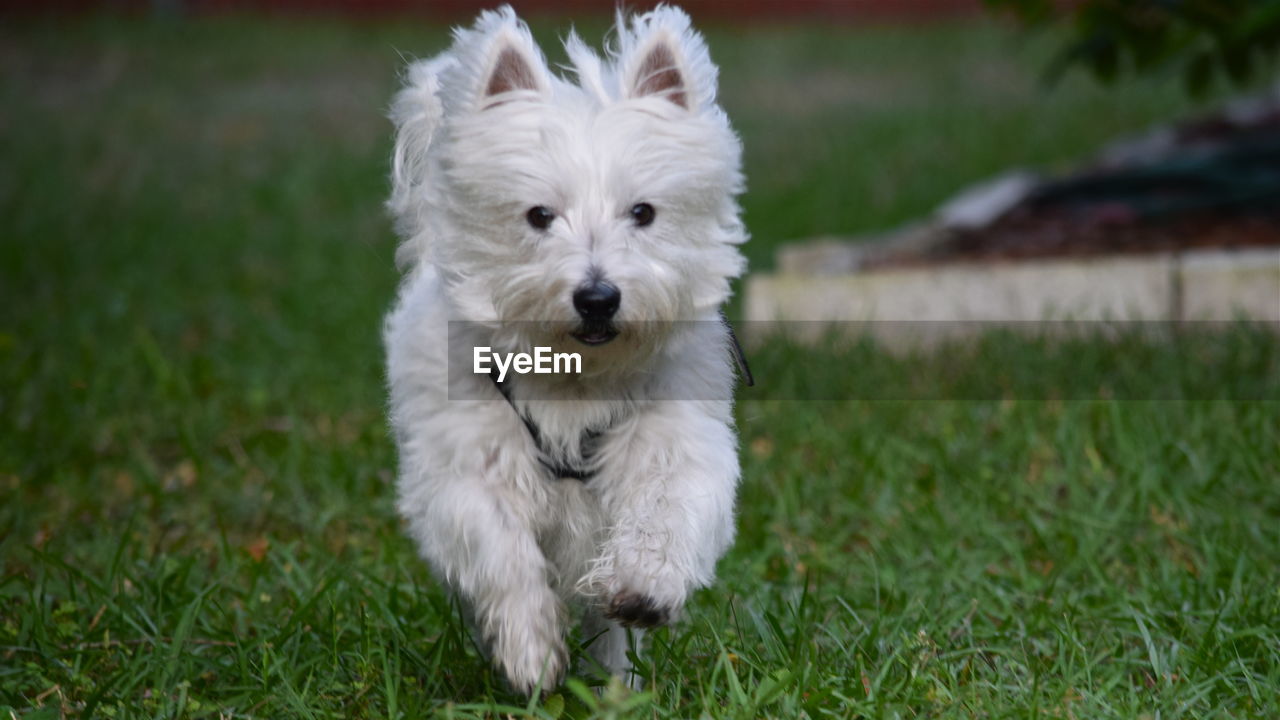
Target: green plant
{"x": 1199, "y": 39}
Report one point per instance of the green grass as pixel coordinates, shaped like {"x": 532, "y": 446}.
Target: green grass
{"x": 196, "y": 516}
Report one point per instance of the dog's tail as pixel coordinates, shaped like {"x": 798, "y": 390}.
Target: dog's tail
{"x": 416, "y": 112}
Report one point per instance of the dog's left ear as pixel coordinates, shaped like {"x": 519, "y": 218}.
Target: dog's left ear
{"x": 662, "y": 56}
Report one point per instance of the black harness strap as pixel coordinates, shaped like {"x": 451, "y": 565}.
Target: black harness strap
{"x": 591, "y": 437}
{"x": 738, "y": 354}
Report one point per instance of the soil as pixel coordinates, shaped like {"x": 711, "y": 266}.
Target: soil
{"x": 1032, "y": 235}
{"x": 1216, "y": 184}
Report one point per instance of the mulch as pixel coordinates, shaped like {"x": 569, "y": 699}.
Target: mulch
{"x": 1026, "y": 235}
{"x": 1216, "y": 185}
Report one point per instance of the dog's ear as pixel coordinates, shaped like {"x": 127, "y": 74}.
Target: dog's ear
{"x": 497, "y": 61}
{"x": 512, "y": 70}
{"x": 417, "y": 113}
{"x": 659, "y": 73}
{"x": 660, "y": 55}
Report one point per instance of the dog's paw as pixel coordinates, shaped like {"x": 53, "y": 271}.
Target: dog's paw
{"x": 532, "y": 669}
{"x": 638, "y": 610}
{"x": 526, "y": 640}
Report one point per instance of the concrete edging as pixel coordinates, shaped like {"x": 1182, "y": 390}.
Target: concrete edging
{"x": 1198, "y": 285}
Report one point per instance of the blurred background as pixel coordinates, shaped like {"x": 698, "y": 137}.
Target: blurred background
{"x": 195, "y": 510}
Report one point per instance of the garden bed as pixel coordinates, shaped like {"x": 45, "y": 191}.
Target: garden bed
{"x": 1181, "y": 224}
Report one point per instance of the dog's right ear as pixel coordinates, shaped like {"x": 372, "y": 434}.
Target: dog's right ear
{"x": 497, "y": 62}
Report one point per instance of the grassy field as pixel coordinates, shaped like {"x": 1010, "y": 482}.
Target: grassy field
{"x": 196, "y": 516}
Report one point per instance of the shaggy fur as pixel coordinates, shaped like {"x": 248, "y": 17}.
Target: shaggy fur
{"x": 485, "y": 131}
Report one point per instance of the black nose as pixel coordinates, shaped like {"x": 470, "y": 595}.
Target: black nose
{"x": 597, "y": 301}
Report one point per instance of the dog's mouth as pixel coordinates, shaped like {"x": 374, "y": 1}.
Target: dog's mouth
{"x": 595, "y": 334}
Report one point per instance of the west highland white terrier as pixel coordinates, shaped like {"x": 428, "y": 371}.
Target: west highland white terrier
{"x": 595, "y": 216}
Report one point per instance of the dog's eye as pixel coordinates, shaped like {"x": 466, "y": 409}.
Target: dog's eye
{"x": 642, "y": 213}
{"x": 540, "y": 217}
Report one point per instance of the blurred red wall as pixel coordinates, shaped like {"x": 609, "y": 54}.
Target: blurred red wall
{"x": 740, "y": 10}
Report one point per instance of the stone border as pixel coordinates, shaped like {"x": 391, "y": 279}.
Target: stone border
{"x": 1200, "y": 285}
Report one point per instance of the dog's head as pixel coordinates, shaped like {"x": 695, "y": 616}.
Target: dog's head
{"x": 596, "y": 209}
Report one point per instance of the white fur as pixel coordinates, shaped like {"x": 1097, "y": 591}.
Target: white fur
{"x": 524, "y": 550}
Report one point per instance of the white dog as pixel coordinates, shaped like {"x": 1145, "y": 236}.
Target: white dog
{"x": 596, "y": 215}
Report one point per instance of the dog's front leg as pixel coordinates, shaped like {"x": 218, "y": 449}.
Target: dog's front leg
{"x": 485, "y": 550}
{"x": 669, "y": 495}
